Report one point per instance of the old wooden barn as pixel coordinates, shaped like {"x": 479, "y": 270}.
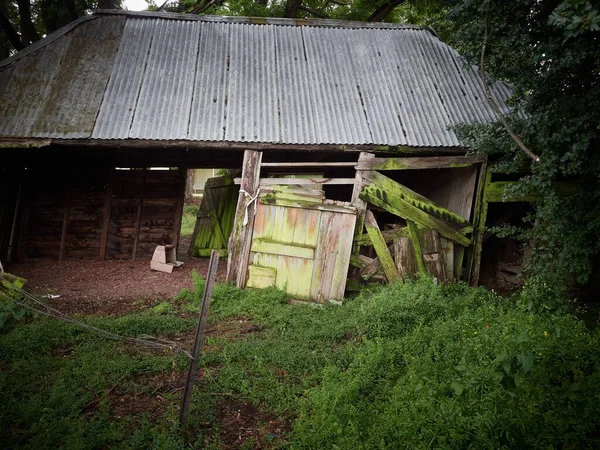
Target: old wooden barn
{"x": 350, "y": 169}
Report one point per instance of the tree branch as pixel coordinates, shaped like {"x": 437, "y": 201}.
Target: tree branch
{"x": 314, "y": 12}
{"x": 11, "y": 33}
{"x": 27, "y": 29}
{"x": 384, "y": 10}
{"x": 491, "y": 100}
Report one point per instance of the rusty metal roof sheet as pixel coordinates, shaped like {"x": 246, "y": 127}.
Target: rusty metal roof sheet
{"x": 205, "y": 78}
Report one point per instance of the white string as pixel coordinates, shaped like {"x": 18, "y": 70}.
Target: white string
{"x": 252, "y": 200}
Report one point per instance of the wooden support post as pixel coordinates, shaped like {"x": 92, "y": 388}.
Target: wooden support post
{"x": 241, "y": 236}
{"x": 481, "y": 207}
{"x": 387, "y": 262}
{"x": 138, "y": 216}
{"x": 414, "y": 237}
{"x": 357, "y": 202}
{"x": 65, "y": 225}
{"x": 24, "y": 222}
{"x": 189, "y": 385}
{"x": 179, "y": 209}
{"x": 106, "y": 214}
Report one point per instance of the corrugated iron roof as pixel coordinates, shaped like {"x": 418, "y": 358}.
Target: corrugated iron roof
{"x": 206, "y": 78}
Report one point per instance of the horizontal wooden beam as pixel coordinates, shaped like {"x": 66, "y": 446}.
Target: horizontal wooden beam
{"x": 300, "y": 181}
{"x": 309, "y": 164}
{"x": 229, "y": 145}
{"x": 388, "y": 235}
{"x": 308, "y": 205}
{"x": 283, "y": 249}
{"x": 412, "y": 197}
{"x": 396, "y": 205}
{"x": 427, "y": 162}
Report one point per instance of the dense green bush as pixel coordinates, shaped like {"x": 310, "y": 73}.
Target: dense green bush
{"x": 458, "y": 368}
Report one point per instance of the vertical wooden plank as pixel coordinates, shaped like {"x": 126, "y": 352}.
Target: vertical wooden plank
{"x": 357, "y": 202}
{"x": 405, "y": 258}
{"x": 138, "y": 216}
{"x": 241, "y": 236}
{"x": 179, "y": 209}
{"x": 481, "y": 207}
{"x": 65, "y": 225}
{"x": 387, "y": 262}
{"x": 106, "y": 214}
{"x": 21, "y": 237}
{"x": 432, "y": 253}
{"x": 459, "y": 257}
{"x": 332, "y": 256}
{"x": 413, "y": 231}
{"x": 448, "y": 255}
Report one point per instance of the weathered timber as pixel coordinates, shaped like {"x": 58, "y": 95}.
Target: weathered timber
{"x": 370, "y": 269}
{"x": 332, "y": 256}
{"x": 63, "y": 234}
{"x": 179, "y": 208}
{"x": 416, "y": 244}
{"x": 432, "y": 253}
{"x": 388, "y": 235}
{"x": 387, "y": 262}
{"x": 199, "y": 339}
{"x": 430, "y": 162}
{"x": 357, "y": 202}
{"x": 405, "y": 257}
{"x": 308, "y": 164}
{"x": 307, "y": 204}
{"x": 448, "y": 256}
{"x": 481, "y": 207}
{"x": 215, "y": 217}
{"x": 412, "y": 197}
{"x": 138, "y": 216}
{"x": 241, "y": 236}
{"x": 300, "y": 181}
{"x": 283, "y": 249}
{"x": 261, "y": 277}
{"x": 251, "y": 146}
{"x": 396, "y": 205}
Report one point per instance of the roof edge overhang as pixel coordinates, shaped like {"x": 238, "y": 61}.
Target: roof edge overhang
{"x": 15, "y": 143}
{"x": 328, "y": 23}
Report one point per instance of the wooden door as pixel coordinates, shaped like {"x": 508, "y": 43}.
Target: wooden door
{"x": 301, "y": 247}
{"x": 215, "y": 218}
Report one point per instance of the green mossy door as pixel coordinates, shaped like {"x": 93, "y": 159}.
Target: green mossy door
{"x": 215, "y": 217}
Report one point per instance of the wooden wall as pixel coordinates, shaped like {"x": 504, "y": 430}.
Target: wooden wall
{"x": 91, "y": 213}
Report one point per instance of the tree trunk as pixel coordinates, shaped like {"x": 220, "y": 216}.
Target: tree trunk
{"x": 11, "y": 33}
{"x": 292, "y": 7}
{"x": 189, "y": 185}
{"x": 27, "y": 28}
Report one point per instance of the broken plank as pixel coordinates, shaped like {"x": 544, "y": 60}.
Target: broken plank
{"x": 261, "y": 277}
{"x": 388, "y": 235}
{"x": 387, "y": 262}
{"x": 408, "y": 195}
{"x": 303, "y": 181}
{"x": 308, "y": 164}
{"x": 429, "y": 162}
{"x": 308, "y": 205}
{"x": 396, "y": 205}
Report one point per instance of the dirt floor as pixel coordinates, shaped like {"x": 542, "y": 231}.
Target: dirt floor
{"x": 110, "y": 286}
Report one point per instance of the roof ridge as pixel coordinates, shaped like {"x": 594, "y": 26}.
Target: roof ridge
{"x": 282, "y": 21}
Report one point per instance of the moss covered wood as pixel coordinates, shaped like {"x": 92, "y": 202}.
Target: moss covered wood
{"x": 431, "y": 162}
{"x": 381, "y": 248}
{"x": 241, "y": 236}
{"x": 416, "y": 244}
{"x": 215, "y": 217}
{"x": 388, "y": 200}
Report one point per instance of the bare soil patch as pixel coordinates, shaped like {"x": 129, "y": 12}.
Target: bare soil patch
{"x": 242, "y": 424}
{"x": 111, "y": 287}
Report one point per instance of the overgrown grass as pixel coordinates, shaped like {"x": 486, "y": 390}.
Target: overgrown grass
{"x": 405, "y": 366}
{"x": 188, "y": 219}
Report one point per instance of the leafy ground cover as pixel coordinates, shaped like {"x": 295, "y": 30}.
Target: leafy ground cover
{"x": 404, "y": 366}
{"x": 188, "y": 219}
